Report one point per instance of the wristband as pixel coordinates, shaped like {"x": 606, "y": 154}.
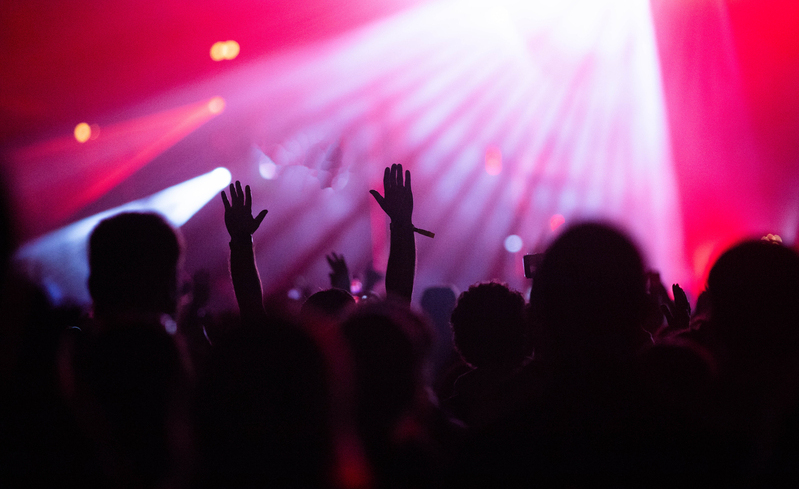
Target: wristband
{"x": 241, "y": 241}
{"x": 423, "y": 232}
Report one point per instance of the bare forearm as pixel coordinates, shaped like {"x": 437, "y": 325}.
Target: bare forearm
{"x": 246, "y": 281}
{"x": 401, "y": 267}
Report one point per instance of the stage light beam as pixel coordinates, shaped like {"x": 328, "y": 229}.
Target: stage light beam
{"x": 57, "y": 261}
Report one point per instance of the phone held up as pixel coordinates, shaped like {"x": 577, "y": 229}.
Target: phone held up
{"x": 531, "y": 262}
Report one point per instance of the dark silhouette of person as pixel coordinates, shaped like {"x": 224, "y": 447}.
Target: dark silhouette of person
{"x": 133, "y": 267}
{"x": 753, "y": 290}
{"x": 403, "y": 434}
{"x": 263, "y": 411}
{"x": 438, "y": 302}
{"x": 589, "y": 298}
{"x": 489, "y": 330}
{"x": 332, "y": 304}
{"x": 588, "y": 305}
{"x": 264, "y": 402}
{"x": 128, "y": 377}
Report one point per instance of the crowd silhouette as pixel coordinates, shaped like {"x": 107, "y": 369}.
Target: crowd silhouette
{"x": 600, "y": 376}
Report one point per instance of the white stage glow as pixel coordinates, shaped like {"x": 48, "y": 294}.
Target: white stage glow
{"x": 57, "y": 261}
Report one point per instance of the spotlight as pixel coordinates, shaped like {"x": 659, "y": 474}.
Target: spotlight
{"x": 57, "y": 260}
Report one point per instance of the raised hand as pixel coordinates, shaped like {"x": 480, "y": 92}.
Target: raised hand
{"x": 397, "y": 202}
{"x": 371, "y": 277}
{"x": 340, "y": 274}
{"x": 238, "y": 213}
{"x": 678, "y": 313}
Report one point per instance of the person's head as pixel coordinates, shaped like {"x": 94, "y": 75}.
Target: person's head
{"x": 753, "y": 290}
{"x": 133, "y": 265}
{"x": 264, "y": 408}
{"x": 390, "y": 347}
{"x": 589, "y": 295}
{"x": 488, "y": 326}
{"x": 438, "y": 303}
{"x": 332, "y": 304}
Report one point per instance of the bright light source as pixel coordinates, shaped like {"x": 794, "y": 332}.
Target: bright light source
{"x": 225, "y": 50}
{"x": 513, "y": 243}
{"x": 83, "y": 132}
{"x": 266, "y": 167}
{"x": 180, "y": 202}
{"x": 556, "y": 221}
{"x": 58, "y": 260}
{"x": 232, "y": 49}
{"x": 493, "y": 160}
{"x": 216, "y": 105}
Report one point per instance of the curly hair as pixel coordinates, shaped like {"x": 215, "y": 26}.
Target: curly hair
{"x": 488, "y": 325}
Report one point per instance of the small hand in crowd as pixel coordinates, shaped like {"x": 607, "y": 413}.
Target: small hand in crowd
{"x": 340, "y": 274}
{"x": 678, "y": 313}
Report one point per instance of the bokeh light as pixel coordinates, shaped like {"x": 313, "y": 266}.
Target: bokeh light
{"x": 513, "y": 243}
{"x": 223, "y": 50}
{"x": 83, "y": 132}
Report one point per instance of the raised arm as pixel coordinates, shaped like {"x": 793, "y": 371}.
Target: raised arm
{"x": 339, "y": 273}
{"x": 397, "y": 203}
{"x": 243, "y": 271}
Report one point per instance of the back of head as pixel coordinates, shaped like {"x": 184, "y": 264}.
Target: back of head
{"x": 754, "y": 294}
{"x": 133, "y": 263}
{"x": 488, "y": 326}
{"x": 264, "y": 409}
{"x": 589, "y": 295}
{"x": 438, "y": 303}
{"x": 389, "y": 347}
{"x": 331, "y": 303}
